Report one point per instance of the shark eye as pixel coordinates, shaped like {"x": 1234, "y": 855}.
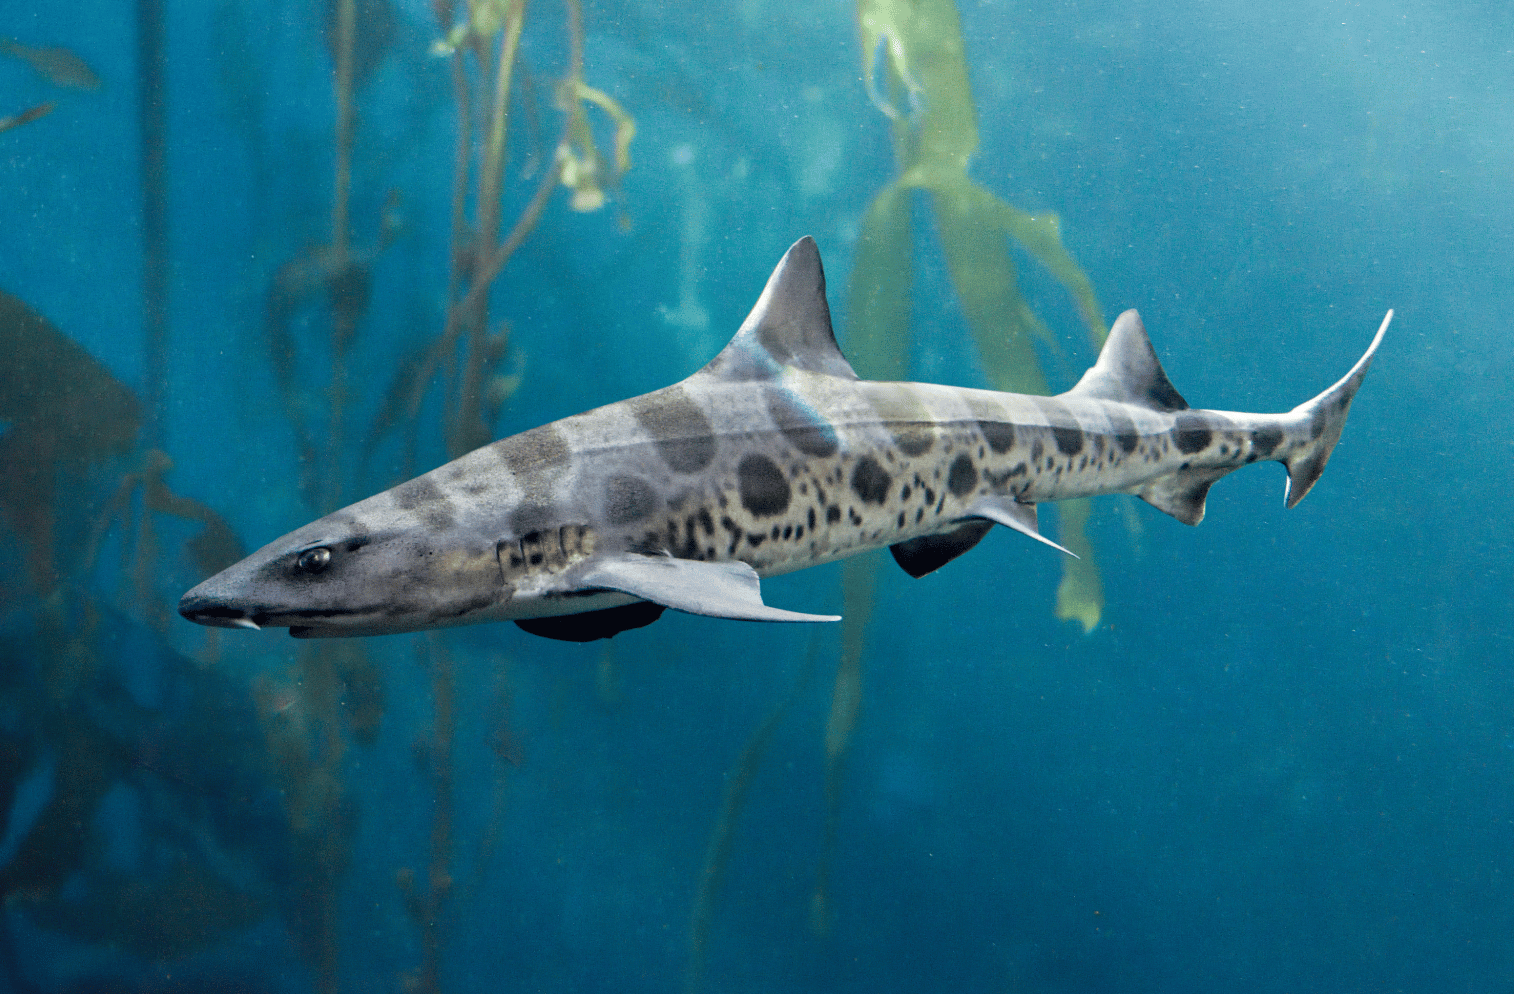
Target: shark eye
{"x": 313, "y": 560}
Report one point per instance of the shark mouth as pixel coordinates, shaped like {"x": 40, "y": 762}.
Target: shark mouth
{"x": 207, "y": 612}
{"x": 301, "y": 624}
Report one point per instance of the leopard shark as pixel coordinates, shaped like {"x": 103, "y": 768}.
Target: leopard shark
{"x": 774, "y": 457}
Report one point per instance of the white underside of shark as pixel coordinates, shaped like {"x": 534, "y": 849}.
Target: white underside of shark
{"x": 773, "y": 458}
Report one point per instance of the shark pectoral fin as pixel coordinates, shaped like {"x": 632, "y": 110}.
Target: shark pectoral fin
{"x": 928, "y": 553}
{"x": 1182, "y": 494}
{"x": 715, "y": 590}
{"x": 1011, "y": 513}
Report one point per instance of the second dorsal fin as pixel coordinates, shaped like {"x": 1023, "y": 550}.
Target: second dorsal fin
{"x": 1128, "y": 370}
{"x": 789, "y": 326}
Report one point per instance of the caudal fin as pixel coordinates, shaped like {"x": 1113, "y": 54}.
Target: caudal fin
{"x": 1326, "y": 416}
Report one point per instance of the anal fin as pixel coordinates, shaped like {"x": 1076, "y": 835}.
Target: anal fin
{"x": 715, "y": 590}
{"x": 1182, "y": 494}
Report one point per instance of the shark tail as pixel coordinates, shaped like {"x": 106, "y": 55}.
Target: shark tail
{"x": 1325, "y": 416}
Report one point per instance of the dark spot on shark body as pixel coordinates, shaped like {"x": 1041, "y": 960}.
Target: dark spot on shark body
{"x": 1125, "y": 434}
{"x": 534, "y": 451}
{"x": 628, "y": 499}
{"x": 764, "y": 489}
{"x": 1063, "y": 426}
{"x": 530, "y": 517}
{"x": 678, "y": 426}
{"x": 870, "y": 481}
{"x": 735, "y": 531}
{"x": 832, "y": 514}
{"x": 419, "y": 492}
{"x": 993, "y": 421}
{"x": 962, "y": 479}
{"x": 904, "y": 415}
{"x": 1069, "y": 440}
{"x": 1265, "y": 440}
{"x": 806, "y": 431}
{"x": 1000, "y": 435}
{"x": 1191, "y": 434}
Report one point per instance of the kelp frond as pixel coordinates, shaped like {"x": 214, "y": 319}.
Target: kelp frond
{"x": 925, "y": 59}
{"x": 917, "y": 48}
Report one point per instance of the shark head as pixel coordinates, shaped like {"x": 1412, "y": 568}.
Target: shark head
{"x": 374, "y": 568}
{"x": 575, "y": 519}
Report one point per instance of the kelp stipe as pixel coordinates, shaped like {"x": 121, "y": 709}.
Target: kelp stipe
{"x": 723, "y": 838}
{"x": 466, "y": 356}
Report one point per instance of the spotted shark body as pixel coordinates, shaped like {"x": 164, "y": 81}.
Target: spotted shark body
{"x": 772, "y": 458}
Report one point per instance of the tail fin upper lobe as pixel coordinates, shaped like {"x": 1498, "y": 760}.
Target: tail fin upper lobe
{"x": 1326, "y": 415}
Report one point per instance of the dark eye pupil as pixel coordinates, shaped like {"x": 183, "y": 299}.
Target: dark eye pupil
{"x": 314, "y": 560}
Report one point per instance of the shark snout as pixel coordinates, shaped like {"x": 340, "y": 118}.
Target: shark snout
{"x": 205, "y": 606}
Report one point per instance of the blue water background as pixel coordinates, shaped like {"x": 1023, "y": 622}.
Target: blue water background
{"x": 1282, "y": 762}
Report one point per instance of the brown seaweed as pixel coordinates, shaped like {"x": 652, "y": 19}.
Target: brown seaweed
{"x": 59, "y": 66}
{"x": 191, "y": 762}
{"x": 65, "y": 411}
{"x": 26, "y": 116}
{"x": 925, "y": 95}
{"x": 374, "y": 29}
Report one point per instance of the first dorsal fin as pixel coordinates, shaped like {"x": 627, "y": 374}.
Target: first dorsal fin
{"x": 789, "y": 326}
{"x": 1128, "y": 370}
